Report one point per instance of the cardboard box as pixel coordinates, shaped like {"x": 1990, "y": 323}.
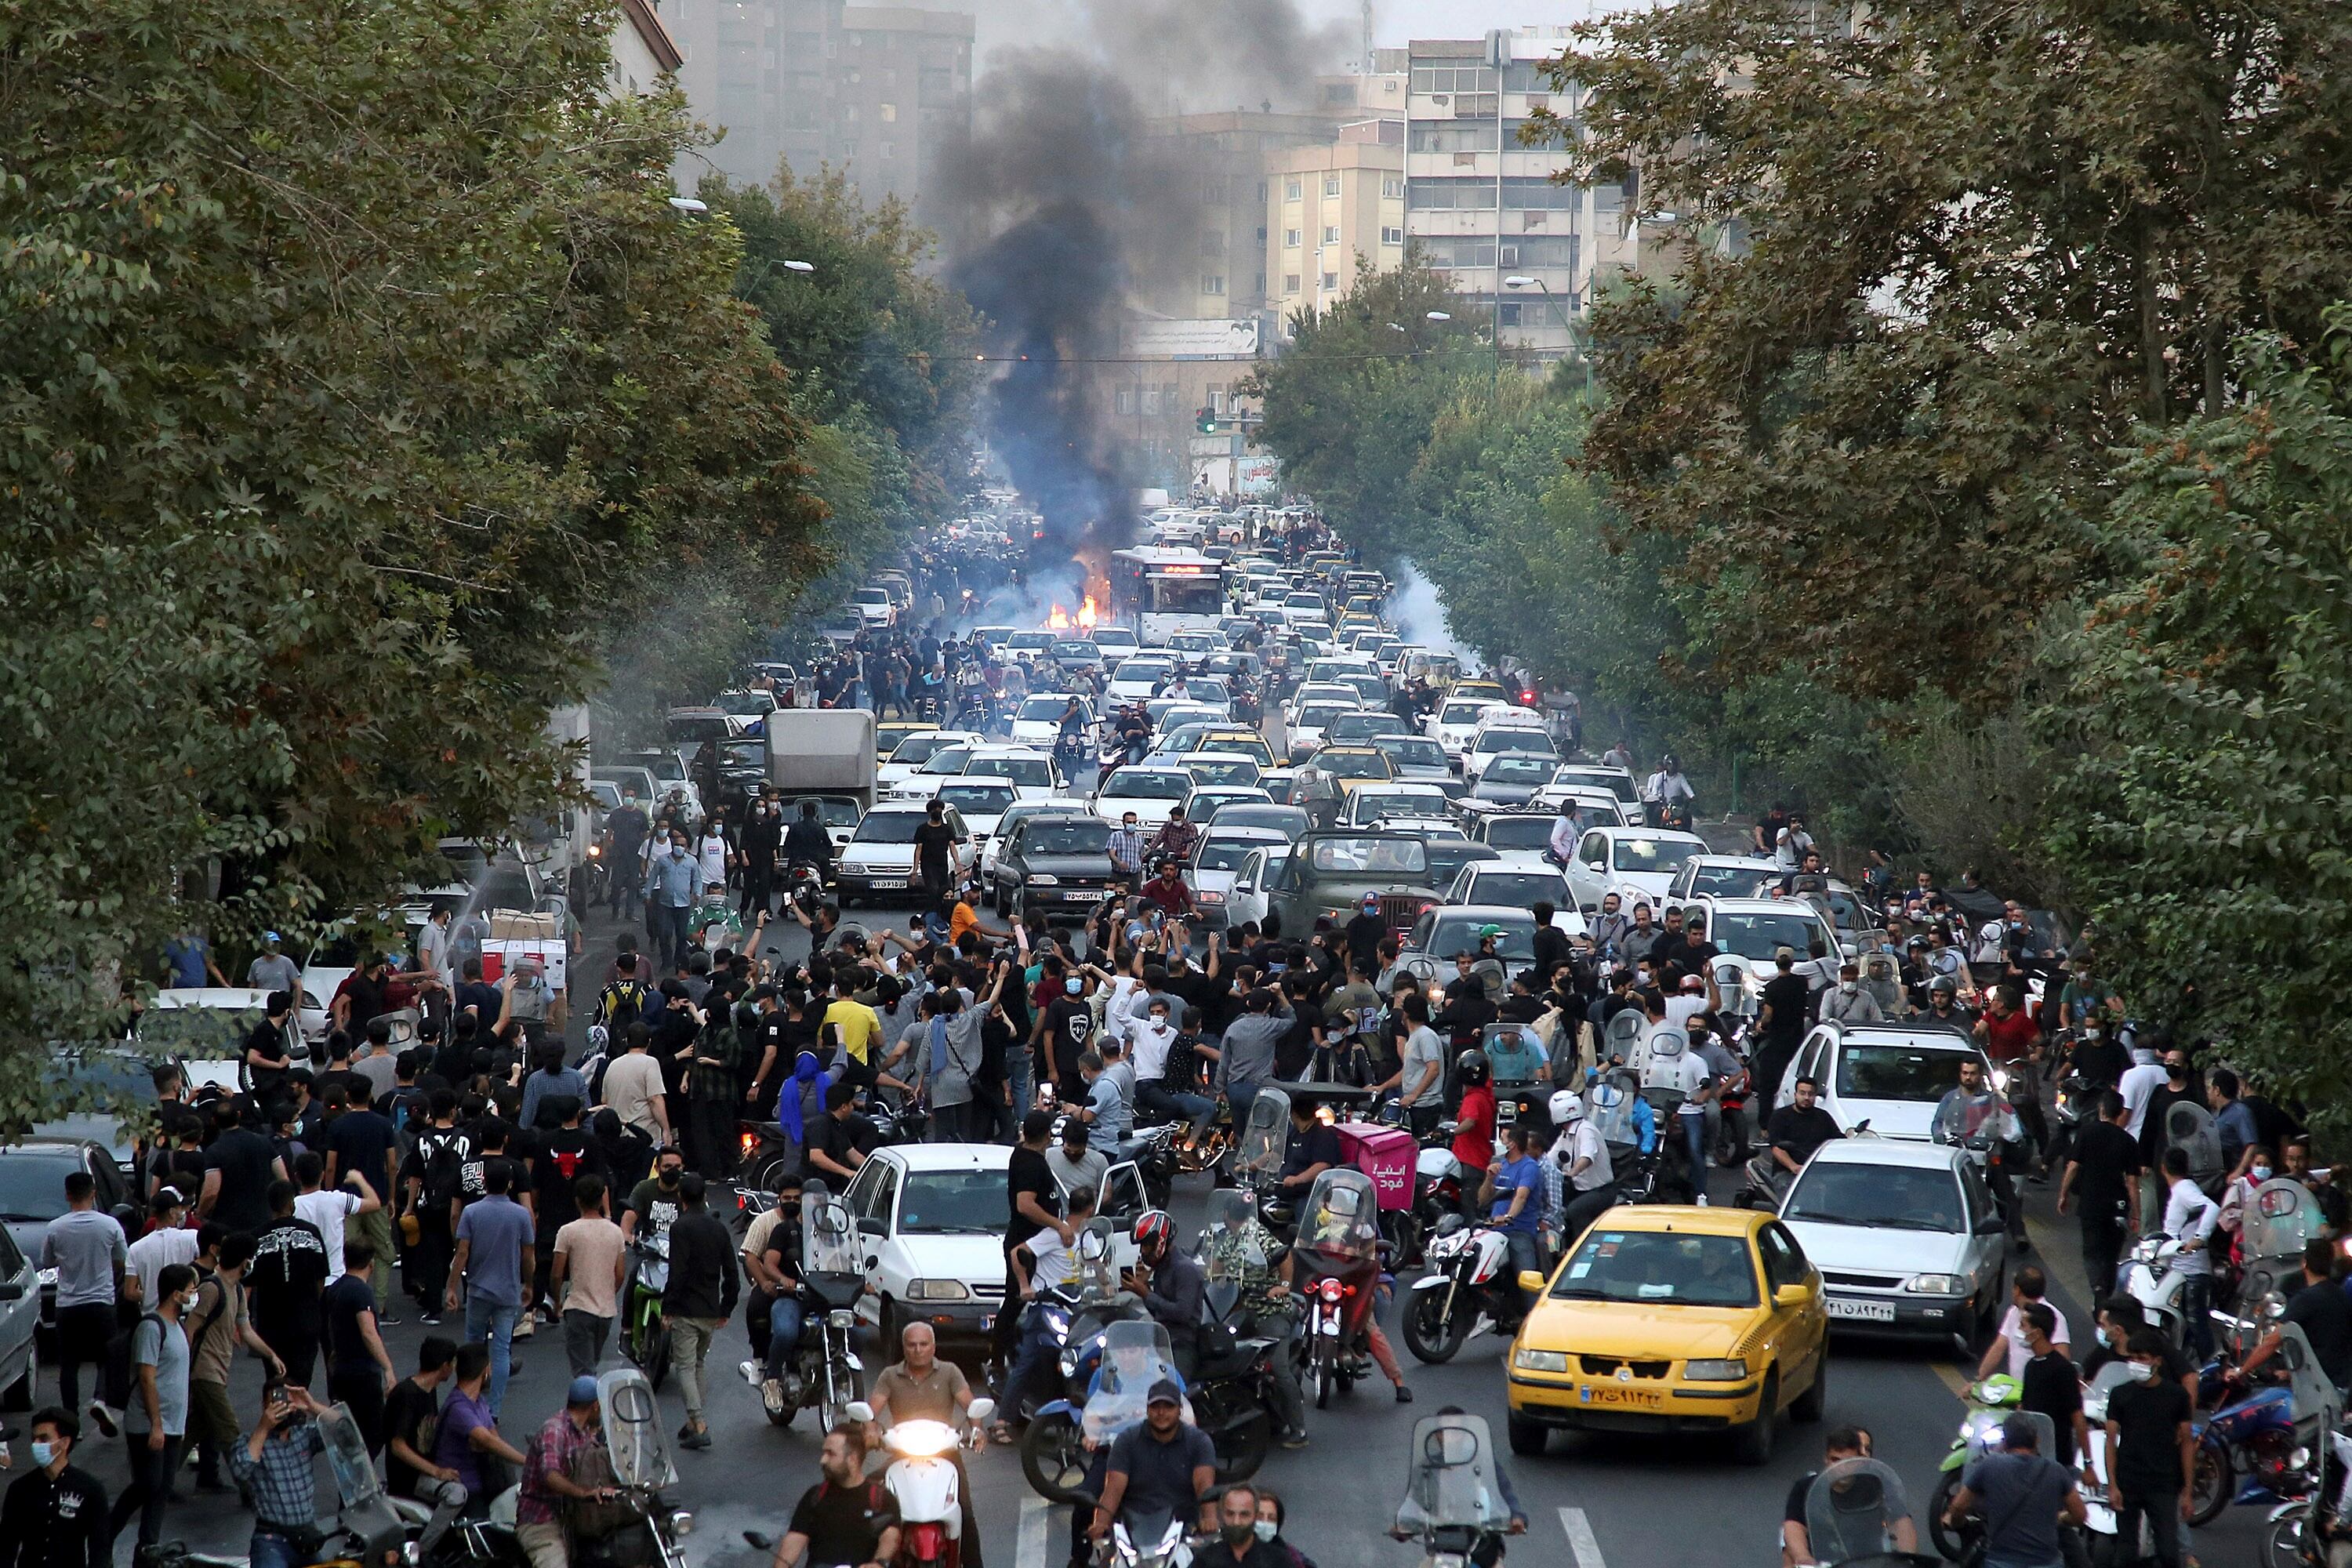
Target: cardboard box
{"x": 514, "y": 925}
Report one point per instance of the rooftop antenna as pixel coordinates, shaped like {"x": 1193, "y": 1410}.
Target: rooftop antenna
{"x": 1370, "y": 56}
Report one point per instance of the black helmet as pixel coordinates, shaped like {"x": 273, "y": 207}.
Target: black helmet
{"x": 1471, "y": 1066}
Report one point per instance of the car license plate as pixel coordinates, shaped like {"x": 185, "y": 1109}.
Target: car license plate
{"x": 1866, "y": 1312}
{"x": 987, "y": 1321}
{"x": 892, "y": 881}
{"x": 1621, "y": 1396}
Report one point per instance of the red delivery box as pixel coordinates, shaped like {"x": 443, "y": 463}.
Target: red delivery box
{"x": 1385, "y": 1154}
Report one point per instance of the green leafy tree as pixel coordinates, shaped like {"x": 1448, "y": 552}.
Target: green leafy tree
{"x": 1930, "y": 260}
{"x": 359, "y": 377}
{"x": 2203, "y": 817}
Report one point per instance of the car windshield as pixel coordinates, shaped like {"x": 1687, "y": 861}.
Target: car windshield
{"x": 1047, "y": 707}
{"x": 979, "y": 799}
{"x": 1146, "y": 668}
{"x": 1225, "y": 854}
{"x": 1034, "y": 772}
{"x": 1030, "y": 642}
{"x": 33, "y": 1183}
{"x": 1659, "y": 1268}
{"x": 1518, "y": 770}
{"x": 948, "y": 761}
{"x": 1364, "y": 726}
{"x": 1078, "y": 650}
{"x": 1897, "y": 1072}
{"x": 889, "y": 827}
{"x": 1448, "y": 856}
{"x": 742, "y": 754}
{"x": 1359, "y": 856}
{"x": 1355, "y": 765}
{"x": 1285, "y": 819}
{"x": 1461, "y": 713}
{"x": 833, "y": 810}
{"x": 1071, "y": 836}
{"x": 1453, "y": 933}
{"x": 210, "y": 1034}
{"x": 1412, "y": 751}
{"x": 1517, "y": 887}
{"x": 1534, "y": 743}
{"x": 952, "y": 1203}
{"x": 1519, "y": 832}
{"x": 1883, "y": 1197}
{"x": 1318, "y": 715}
{"x": 1224, "y": 770}
{"x": 1737, "y": 881}
{"x": 1760, "y": 936}
{"x": 1133, "y": 784}
{"x": 920, "y": 748}
{"x": 1652, "y": 853}
{"x": 748, "y": 704}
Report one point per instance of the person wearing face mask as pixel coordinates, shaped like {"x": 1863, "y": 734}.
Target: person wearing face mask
{"x": 1239, "y": 1543}
{"x": 2258, "y": 1166}
{"x": 56, "y": 1517}
{"x": 672, "y": 879}
{"x": 1847, "y": 1002}
{"x": 2150, "y": 1449}
{"x": 1271, "y": 1515}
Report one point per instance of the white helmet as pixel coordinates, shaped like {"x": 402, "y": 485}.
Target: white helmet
{"x": 1566, "y": 1108}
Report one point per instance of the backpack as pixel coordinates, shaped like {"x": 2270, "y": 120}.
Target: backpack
{"x": 121, "y": 1381}
{"x": 623, "y": 1005}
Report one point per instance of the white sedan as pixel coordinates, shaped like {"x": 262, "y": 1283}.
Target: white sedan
{"x": 1634, "y": 863}
{"x": 1151, "y": 793}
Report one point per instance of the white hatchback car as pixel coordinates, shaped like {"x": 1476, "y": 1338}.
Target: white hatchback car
{"x": 1632, "y": 862}
{"x": 880, "y": 858}
{"x": 1908, "y": 1238}
{"x": 914, "y": 751}
{"x": 1891, "y": 1075}
{"x": 931, "y": 1219}
{"x": 1151, "y": 793}
{"x": 1031, "y": 771}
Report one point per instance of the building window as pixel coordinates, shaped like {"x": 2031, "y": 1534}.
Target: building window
{"x": 1392, "y": 187}
{"x": 1261, "y": 283}
{"x": 1330, "y": 281}
{"x": 889, "y": 149}
{"x": 1213, "y": 242}
{"x": 1212, "y": 283}
{"x": 1289, "y": 239}
{"x": 1391, "y": 236}
{"x": 1330, "y": 185}
{"x": 1331, "y": 234}
{"x": 1125, "y": 402}
{"x": 1214, "y": 193}
{"x": 1261, "y": 192}
{"x": 1438, "y": 196}
{"x": 889, "y": 113}
{"x": 1293, "y": 189}
{"x": 1509, "y": 313}
{"x": 1290, "y": 282}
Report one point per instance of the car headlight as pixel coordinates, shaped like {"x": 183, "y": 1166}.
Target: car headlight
{"x": 1934, "y": 1285}
{"x": 1726, "y": 1370}
{"x": 938, "y": 1290}
{"x": 1209, "y": 897}
{"x": 1042, "y": 880}
{"x": 1069, "y": 1364}
{"x": 1540, "y": 1360}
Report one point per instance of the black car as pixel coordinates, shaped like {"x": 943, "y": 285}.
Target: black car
{"x": 1057, "y": 862}
{"x": 33, "y": 1191}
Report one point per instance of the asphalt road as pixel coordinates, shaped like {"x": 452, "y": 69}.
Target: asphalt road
{"x": 1622, "y": 1502}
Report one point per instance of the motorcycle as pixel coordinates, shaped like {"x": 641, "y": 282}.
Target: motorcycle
{"x": 1336, "y": 1270}
{"x": 1982, "y": 1124}
{"x": 1856, "y": 1512}
{"x": 1059, "y": 1446}
{"x": 826, "y": 1373}
{"x": 1990, "y": 1403}
{"x": 2150, "y": 1280}
{"x": 1263, "y": 1138}
{"x": 642, "y": 1467}
{"x": 1470, "y": 1290}
{"x": 645, "y": 1332}
{"x": 927, "y": 1484}
{"x": 2315, "y": 1530}
{"x": 2248, "y": 1447}
{"x": 1453, "y": 1503}
{"x": 2279, "y": 1218}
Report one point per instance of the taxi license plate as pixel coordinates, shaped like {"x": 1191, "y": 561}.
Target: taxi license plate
{"x": 1865, "y": 1311}
{"x": 1620, "y": 1396}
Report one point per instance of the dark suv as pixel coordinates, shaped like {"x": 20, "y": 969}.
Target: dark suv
{"x": 1056, "y": 862}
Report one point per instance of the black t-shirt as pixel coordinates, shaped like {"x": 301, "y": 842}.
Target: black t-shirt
{"x": 2105, "y": 1153}
{"x": 1801, "y": 1131}
{"x": 2051, "y": 1385}
{"x": 289, "y": 1265}
{"x": 565, "y": 1154}
{"x": 411, "y": 1415}
{"x": 1787, "y": 995}
{"x": 1793, "y": 1510}
{"x": 934, "y": 845}
{"x": 832, "y": 1135}
{"x": 1318, "y": 1145}
{"x": 1069, "y": 1025}
{"x": 844, "y": 1524}
{"x": 1295, "y": 1050}
{"x": 243, "y": 1157}
{"x": 2147, "y": 1417}
{"x": 2102, "y": 1063}
{"x": 346, "y": 1301}
{"x": 1363, "y": 934}
{"x": 360, "y": 1140}
{"x": 357, "y": 1089}
{"x": 1027, "y": 1173}
{"x": 2325, "y": 1314}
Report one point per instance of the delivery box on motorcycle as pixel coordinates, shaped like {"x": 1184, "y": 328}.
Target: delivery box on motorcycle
{"x": 1383, "y": 1154}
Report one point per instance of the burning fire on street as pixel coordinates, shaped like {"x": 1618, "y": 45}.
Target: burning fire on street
{"x": 1060, "y": 620}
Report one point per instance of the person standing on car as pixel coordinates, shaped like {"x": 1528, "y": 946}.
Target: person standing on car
{"x": 699, "y": 1299}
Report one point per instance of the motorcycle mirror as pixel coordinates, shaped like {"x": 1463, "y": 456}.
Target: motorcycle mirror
{"x": 979, "y": 1411}
{"x": 859, "y": 1410}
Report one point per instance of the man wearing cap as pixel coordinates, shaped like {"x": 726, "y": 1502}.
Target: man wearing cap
{"x": 1162, "y": 1467}
{"x": 272, "y": 970}
{"x": 549, "y": 1459}
{"x": 1364, "y": 934}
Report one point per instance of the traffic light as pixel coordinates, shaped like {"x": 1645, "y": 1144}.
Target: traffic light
{"x": 1208, "y": 421}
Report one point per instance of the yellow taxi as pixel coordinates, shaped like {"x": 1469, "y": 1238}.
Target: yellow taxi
{"x": 1476, "y": 689}
{"x": 1664, "y": 1319}
{"x": 1352, "y": 765}
{"x": 1236, "y": 742}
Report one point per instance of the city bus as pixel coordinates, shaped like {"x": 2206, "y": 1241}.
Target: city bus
{"x": 1161, "y": 590}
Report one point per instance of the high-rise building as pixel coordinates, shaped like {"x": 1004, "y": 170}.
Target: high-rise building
{"x": 1334, "y": 213}
{"x": 1227, "y": 153}
{"x": 1485, "y": 209}
{"x": 879, "y": 92}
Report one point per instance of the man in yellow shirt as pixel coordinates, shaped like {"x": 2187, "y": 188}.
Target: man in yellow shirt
{"x": 857, "y": 1027}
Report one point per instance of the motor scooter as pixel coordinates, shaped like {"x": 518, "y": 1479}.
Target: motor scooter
{"x": 645, "y": 1331}
{"x": 927, "y": 1483}
{"x": 1335, "y": 1260}
{"x": 826, "y": 1373}
{"x": 1469, "y": 1289}
{"x": 642, "y": 1469}
{"x": 1453, "y": 1504}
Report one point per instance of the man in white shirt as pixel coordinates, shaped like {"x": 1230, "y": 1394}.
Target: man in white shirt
{"x": 2139, "y": 1087}
{"x": 165, "y": 1244}
{"x": 634, "y": 1088}
{"x": 1687, "y": 1002}
{"x": 1566, "y": 832}
{"x": 329, "y": 1207}
{"x": 2188, "y": 1219}
{"x": 1695, "y": 1079}
{"x": 1788, "y": 846}
{"x": 1580, "y": 1163}
{"x": 2029, "y": 1286}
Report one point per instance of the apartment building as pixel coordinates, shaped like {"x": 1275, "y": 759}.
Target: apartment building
{"x": 880, "y": 92}
{"x": 1486, "y": 210}
{"x": 1334, "y": 213}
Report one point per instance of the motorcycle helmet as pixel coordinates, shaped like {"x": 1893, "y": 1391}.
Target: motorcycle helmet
{"x": 1566, "y": 1108}
{"x": 1153, "y": 1226}
{"x": 1472, "y": 1067}
{"x": 1945, "y": 984}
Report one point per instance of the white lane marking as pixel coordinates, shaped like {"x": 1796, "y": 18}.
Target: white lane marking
{"x": 1032, "y": 1550}
{"x": 1580, "y": 1538}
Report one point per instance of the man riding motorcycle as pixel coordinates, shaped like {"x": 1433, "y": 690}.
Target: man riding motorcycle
{"x": 1579, "y": 1165}
{"x": 1791, "y": 1135}
{"x": 806, "y": 841}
